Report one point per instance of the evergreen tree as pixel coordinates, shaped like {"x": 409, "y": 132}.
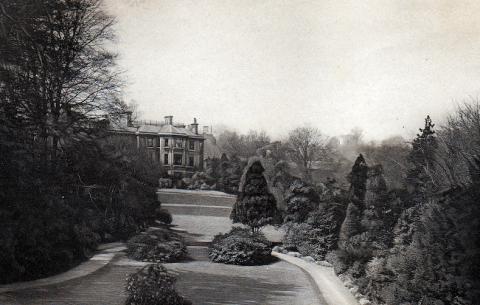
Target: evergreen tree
{"x": 365, "y": 230}
{"x": 422, "y": 158}
{"x": 358, "y": 184}
{"x": 419, "y": 182}
{"x": 358, "y": 179}
{"x": 255, "y": 205}
{"x": 301, "y": 199}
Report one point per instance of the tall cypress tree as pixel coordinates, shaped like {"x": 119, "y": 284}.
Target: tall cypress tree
{"x": 255, "y": 205}
{"x": 358, "y": 179}
{"x": 358, "y": 186}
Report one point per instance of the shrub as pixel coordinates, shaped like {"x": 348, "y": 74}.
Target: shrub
{"x": 319, "y": 235}
{"x": 221, "y": 174}
{"x": 307, "y": 240}
{"x": 33, "y": 246}
{"x": 434, "y": 258}
{"x": 301, "y": 199}
{"x": 255, "y": 205}
{"x": 153, "y": 285}
{"x": 163, "y": 216}
{"x": 240, "y": 247}
{"x": 159, "y": 245}
{"x": 434, "y": 262}
{"x": 339, "y": 260}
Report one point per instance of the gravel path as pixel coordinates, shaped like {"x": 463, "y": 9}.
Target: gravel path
{"x": 218, "y": 284}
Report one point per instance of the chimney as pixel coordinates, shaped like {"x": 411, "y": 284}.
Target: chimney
{"x": 169, "y": 120}
{"x": 205, "y": 130}
{"x": 195, "y": 126}
{"x": 129, "y": 119}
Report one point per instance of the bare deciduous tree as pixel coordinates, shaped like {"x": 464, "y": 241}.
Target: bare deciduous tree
{"x": 56, "y": 72}
{"x": 307, "y": 144}
{"x": 246, "y": 146}
{"x": 459, "y": 144}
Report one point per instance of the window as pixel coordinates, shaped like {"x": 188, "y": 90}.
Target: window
{"x": 165, "y": 142}
{"x": 191, "y": 145}
{"x": 158, "y": 142}
{"x": 165, "y": 159}
{"x": 191, "y": 161}
{"x": 150, "y": 142}
{"x": 179, "y": 143}
{"x": 177, "y": 159}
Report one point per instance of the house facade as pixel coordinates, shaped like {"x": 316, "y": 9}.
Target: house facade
{"x": 178, "y": 148}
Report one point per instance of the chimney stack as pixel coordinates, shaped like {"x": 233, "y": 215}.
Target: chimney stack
{"x": 195, "y": 126}
{"x": 169, "y": 120}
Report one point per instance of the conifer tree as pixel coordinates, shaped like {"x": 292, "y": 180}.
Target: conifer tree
{"x": 255, "y": 205}
{"x": 358, "y": 179}
{"x": 358, "y": 184}
{"x": 422, "y": 158}
{"x": 364, "y": 230}
{"x": 301, "y": 199}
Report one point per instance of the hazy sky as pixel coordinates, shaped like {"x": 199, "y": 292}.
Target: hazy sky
{"x": 274, "y": 65}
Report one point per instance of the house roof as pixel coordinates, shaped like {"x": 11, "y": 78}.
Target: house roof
{"x": 157, "y": 129}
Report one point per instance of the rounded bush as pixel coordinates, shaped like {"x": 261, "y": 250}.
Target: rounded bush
{"x": 240, "y": 247}
{"x": 163, "y": 216}
{"x": 159, "y": 245}
{"x": 153, "y": 285}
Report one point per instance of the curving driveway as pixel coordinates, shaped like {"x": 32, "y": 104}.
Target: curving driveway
{"x": 199, "y": 280}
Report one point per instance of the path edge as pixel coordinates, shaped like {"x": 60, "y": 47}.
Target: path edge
{"x": 93, "y": 264}
{"x": 330, "y": 286}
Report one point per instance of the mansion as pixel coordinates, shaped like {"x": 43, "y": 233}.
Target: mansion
{"x": 179, "y": 148}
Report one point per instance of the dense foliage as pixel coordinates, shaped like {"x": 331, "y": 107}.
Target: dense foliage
{"x": 366, "y": 229}
{"x": 157, "y": 245}
{"x": 417, "y": 246}
{"x": 301, "y": 199}
{"x": 415, "y": 243}
{"x": 438, "y": 263}
{"x": 63, "y": 186}
{"x": 221, "y": 174}
{"x": 153, "y": 285}
{"x": 255, "y": 205}
{"x": 318, "y": 235}
{"x": 241, "y": 247}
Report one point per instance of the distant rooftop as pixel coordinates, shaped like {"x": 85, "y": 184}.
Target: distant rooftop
{"x": 158, "y": 127}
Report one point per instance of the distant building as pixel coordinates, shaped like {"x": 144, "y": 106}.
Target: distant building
{"x": 211, "y": 150}
{"x": 177, "y": 147}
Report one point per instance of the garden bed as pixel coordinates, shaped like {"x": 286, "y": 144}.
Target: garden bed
{"x": 241, "y": 247}
{"x": 157, "y": 245}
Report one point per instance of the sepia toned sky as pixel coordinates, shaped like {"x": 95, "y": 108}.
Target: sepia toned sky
{"x": 274, "y": 65}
